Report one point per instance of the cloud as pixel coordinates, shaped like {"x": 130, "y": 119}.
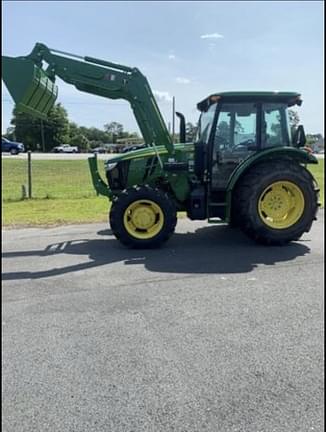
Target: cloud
{"x": 212, "y": 36}
{"x": 181, "y": 80}
{"x": 172, "y": 57}
{"x": 162, "y": 96}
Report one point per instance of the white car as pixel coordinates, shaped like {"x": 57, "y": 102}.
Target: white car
{"x": 65, "y": 148}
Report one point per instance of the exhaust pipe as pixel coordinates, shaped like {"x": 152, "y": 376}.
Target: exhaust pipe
{"x": 182, "y": 136}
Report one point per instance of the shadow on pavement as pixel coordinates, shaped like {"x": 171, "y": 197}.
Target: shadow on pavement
{"x": 211, "y": 249}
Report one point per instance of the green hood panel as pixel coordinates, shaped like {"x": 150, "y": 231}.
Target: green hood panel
{"x": 150, "y": 151}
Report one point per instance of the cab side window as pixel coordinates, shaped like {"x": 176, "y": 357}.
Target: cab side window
{"x": 236, "y": 127}
{"x": 274, "y": 126}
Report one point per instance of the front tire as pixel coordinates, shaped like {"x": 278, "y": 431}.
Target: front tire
{"x": 276, "y": 202}
{"x": 143, "y": 217}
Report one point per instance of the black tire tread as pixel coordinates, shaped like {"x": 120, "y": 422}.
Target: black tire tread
{"x": 121, "y": 201}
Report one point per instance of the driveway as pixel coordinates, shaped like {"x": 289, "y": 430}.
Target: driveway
{"x": 210, "y": 333}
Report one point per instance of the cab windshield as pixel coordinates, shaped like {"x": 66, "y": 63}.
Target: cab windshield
{"x": 205, "y": 124}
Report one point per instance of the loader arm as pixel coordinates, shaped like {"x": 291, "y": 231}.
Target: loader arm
{"x": 98, "y": 77}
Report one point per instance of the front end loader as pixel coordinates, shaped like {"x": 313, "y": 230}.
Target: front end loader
{"x": 245, "y": 168}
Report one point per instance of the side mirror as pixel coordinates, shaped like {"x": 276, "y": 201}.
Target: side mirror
{"x": 299, "y": 137}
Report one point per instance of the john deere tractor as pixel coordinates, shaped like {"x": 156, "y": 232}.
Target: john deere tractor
{"x": 245, "y": 167}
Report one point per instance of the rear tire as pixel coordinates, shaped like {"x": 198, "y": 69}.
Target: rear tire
{"x": 143, "y": 217}
{"x": 276, "y": 202}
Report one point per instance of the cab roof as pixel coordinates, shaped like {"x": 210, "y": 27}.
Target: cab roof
{"x": 290, "y": 98}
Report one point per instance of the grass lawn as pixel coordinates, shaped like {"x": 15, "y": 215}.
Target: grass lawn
{"x": 63, "y": 193}
{"x": 318, "y": 173}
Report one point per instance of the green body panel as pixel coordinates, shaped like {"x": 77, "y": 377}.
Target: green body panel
{"x": 180, "y": 182}
{"x": 181, "y": 151}
{"x": 29, "y": 86}
{"x": 99, "y": 185}
{"x": 300, "y": 156}
{"x": 139, "y": 162}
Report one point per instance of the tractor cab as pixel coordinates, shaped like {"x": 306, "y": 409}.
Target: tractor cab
{"x": 235, "y": 125}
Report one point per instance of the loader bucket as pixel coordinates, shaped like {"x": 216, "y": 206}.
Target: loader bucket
{"x": 29, "y": 86}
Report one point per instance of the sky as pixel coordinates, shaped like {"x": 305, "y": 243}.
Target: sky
{"x": 188, "y": 50}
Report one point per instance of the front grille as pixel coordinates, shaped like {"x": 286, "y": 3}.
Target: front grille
{"x": 117, "y": 177}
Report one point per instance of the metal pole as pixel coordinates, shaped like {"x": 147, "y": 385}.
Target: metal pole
{"x": 173, "y": 118}
{"x": 42, "y": 136}
{"x": 29, "y": 173}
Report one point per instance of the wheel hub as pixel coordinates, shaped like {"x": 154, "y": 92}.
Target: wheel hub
{"x": 143, "y": 219}
{"x": 281, "y": 204}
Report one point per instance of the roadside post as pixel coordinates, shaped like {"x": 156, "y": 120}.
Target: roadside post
{"x": 29, "y": 173}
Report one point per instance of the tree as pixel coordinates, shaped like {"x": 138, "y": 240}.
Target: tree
{"x": 294, "y": 119}
{"x": 57, "y": 127}
{"x": 315, "y": 141}
{"x": 73, "y": 129}
{"x": 191, "y": 131}
{"x": 10, "y": 133}
{"x": 223, "y": 130}
{"x": 80, "y": 141}
{"x": 115, "y": 131}
{"x": 28, "y": 129}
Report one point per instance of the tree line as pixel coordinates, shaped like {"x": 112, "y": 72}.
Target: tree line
{"x": 57, "y": 129}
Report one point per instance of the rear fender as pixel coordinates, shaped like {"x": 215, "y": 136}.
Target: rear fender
{"x": 289, "y": 153}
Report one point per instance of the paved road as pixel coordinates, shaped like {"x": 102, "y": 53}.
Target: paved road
{"x": 57, "y": 156}
{"x": 63, "y": 156}
{"x": 209, "y": 333}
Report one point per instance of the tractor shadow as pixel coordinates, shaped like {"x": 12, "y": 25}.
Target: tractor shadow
{"x": 210, "y": 250}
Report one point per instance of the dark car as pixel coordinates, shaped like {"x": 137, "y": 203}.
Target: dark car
{"x": 12, "y": 147}
{"x": 133, "y": 147}
{"x": 98, "y": 150}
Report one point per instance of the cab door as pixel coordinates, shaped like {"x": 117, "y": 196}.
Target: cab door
{"x": 235, "y": 138}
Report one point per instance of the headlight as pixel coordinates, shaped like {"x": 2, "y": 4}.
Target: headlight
{"x": 110, "y": 166}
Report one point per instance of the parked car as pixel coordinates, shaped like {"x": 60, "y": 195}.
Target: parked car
{"x": 98, "y": 150}
{"x": 65, "y": 148}
{"x": 133, "y": 147}
{"x": 11, "y": 146}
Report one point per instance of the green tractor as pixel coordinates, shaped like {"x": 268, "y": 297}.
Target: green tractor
{"x": 245, "y": 167}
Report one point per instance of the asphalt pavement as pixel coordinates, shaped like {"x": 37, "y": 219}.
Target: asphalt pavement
{"x": 209, "y": 333}
{"x": 59, "y": 156}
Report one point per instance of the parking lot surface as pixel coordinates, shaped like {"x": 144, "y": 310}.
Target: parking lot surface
{"x": 209, "y": 333}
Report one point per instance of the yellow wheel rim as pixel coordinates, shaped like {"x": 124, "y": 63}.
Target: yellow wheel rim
{"x": 143, "y": 219}
{"x": 281, "y": 205}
